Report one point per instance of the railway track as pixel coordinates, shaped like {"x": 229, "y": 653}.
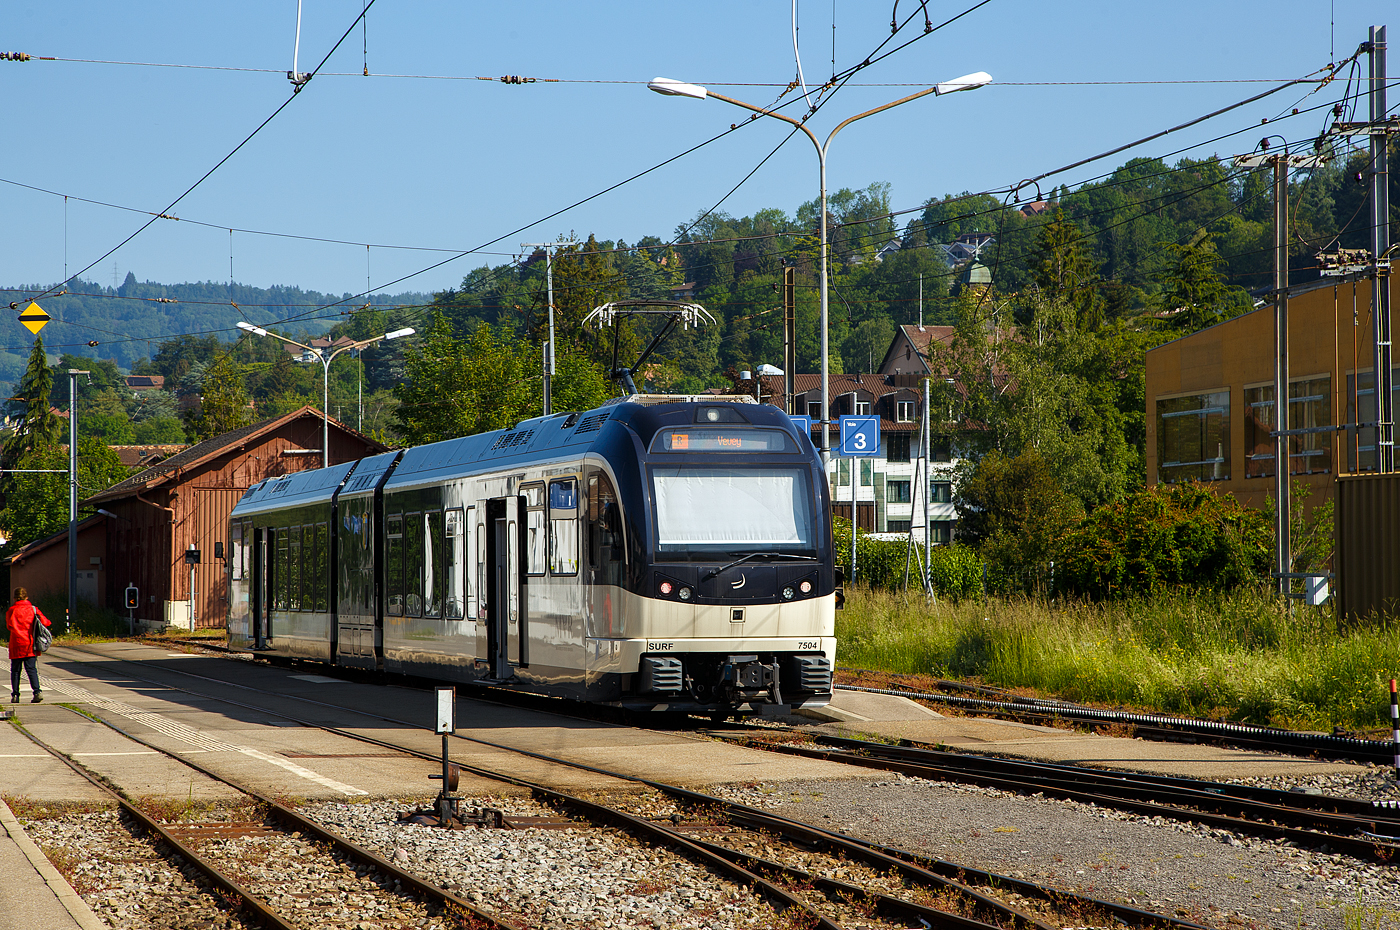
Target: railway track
{"x": 1361, "y": 829}
{"x": 999, "y": 703}
{"x": 724, "y": 836}
{"x": 215, "y": 849}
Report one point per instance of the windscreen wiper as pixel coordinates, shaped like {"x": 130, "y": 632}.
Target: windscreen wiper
{"x": 759, "y": 555}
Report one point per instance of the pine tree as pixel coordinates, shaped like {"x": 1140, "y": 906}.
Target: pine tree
{"x": 39, "y": 428}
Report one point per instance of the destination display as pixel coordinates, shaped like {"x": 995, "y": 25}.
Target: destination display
{"x": 721, "y": 440}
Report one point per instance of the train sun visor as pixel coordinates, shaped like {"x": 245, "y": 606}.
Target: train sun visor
{"x": 710, "y": 510}
{"x": 741, "y": 439}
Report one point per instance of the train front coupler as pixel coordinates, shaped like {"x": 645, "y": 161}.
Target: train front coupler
{"x": 745, "y": 680}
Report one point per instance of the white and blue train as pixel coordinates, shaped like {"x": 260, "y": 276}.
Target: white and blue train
{"x": 658, "y": 553}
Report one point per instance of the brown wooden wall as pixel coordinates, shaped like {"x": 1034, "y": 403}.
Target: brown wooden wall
{"x": 1368, "y": 545}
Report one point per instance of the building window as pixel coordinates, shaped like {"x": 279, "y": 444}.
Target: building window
{"x": 940, "y": 449}
{"x": 1361, "y": 395}
{"x": 862, "y": 408}
{"x": 897, "y": 447}
{"x": 897, "y": 526}
{"x": 1309, "y": 407}
{"x": 1193, "y": 438}
{"x": 867, "y": 473}
{"x": 904, "y": 411}
{"x": 814, "y": 410}
{"x": 941, "y": 531}
{"x": 940, "y": 492}
{"x": 897, "y": 492}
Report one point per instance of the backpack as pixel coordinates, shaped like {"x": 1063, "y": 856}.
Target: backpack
{"x": 40, "y": 634}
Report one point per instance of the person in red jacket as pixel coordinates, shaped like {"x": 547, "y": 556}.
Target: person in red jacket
{"x": 20, "y": 620}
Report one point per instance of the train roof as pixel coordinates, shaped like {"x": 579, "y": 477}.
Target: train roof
{"x": 303, "y": 487}
{"x": 528, "y": 441}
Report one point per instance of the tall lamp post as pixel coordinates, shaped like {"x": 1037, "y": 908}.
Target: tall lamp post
{"x": 674, "y": 88}
{"x": 325, "y": 358}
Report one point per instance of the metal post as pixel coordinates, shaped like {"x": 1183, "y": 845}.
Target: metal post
{"x": 548, "y": 360}
{"x": 921, "y": 301}
{"x": 826, "y": 348}
{"x": 855, "y": 510}
{"x": 1282, "y": 549}
{"x": 926, "y": 440}
{"x": 72, "y": 496}
{"x": 1380, "y": 244}
{"x": 325, "y": 414}
{"x": 790, "y": 337}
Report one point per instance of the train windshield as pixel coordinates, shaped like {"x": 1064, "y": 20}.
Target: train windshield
{"x": 703, "y": 512}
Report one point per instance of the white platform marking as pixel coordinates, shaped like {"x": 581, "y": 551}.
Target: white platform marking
{"x": 189, "y": 734}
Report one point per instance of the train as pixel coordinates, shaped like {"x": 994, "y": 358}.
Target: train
{"x": 659, "y": 553}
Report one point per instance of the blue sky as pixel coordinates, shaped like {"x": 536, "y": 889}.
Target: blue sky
{"x": 453, "y": 164}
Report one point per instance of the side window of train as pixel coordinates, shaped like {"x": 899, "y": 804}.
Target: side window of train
{"x": 236, "y": 565}
{"x": 480, "y": 569}
{"x": 604, "y": 531}
{"x": 434, "y": 570}
{"x": 323, "y": 568}
{"x": 563, "y": 527}
{"x": 535, "y": 542}
{"x": 413, "y": 567}
{"x": 453, "y": 572}
{"x": 296, "y": 568}
{"x": 279, "y": 595}
{"x": 468, "y": 562}
{"x": 393, "y": 565}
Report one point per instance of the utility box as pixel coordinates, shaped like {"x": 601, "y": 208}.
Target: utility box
{"x": 177, "y": 615}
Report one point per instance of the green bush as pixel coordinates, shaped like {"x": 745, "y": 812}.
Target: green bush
{"x": 956, "y": 571}
{"x": 1162, "y": 537}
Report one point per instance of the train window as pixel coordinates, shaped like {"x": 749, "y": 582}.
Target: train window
{"x": 535, "y": 542}
{"x": 413, "y": 567}
{"x": 279, "y": 593}
{"x": 605, "y": 550}
{"x": 454, "y": 566}
{"x": 563, "y": 527}
{"x": 481, "y": 604}
{"x": 393, "y": 567}
{"x": 703, "y": 511}
{"x": 295, "y": 568}
{"x": 236, "y": 565}
{"x": 322, "y": 569}
{"x": 469, "y": 561}
{"x": 434, "y": 574}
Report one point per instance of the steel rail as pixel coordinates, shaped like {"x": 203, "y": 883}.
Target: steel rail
{"x": 262, "y": 911}
{"x": 1374, "y": 849}
{"x": 1238, "y": 734}
{"x": 942, "y": 874}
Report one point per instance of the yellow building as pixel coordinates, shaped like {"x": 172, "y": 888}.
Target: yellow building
{"x": 1210, "y": 395}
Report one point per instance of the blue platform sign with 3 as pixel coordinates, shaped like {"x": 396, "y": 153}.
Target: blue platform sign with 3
{"x": 860, "y": 437}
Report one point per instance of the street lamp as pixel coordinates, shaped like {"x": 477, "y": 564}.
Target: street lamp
{"x": 325, "y": 359}
{"x": 674, "y": 88}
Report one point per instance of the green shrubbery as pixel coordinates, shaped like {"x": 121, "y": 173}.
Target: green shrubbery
{"x": 1162, "y": 537}
{"x": 956, "y": 571}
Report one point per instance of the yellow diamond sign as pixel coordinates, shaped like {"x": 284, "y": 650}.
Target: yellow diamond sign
{"x": 34, "y": 317}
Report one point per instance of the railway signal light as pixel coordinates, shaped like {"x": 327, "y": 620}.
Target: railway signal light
{"x": 133, "y": 597}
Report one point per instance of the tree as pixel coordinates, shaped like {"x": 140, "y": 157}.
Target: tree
{"x": 1014, "y": 511}
{"x": 38, "y": 427}
{"x": 1192, "y": 290}
{"x": 223, "y": 400}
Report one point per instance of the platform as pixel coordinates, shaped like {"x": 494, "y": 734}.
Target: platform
{"x": 861, "y": 715}
{"x": 32, "y": 893}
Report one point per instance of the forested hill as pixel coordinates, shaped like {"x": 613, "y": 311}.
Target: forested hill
{"x": 129, "y": 322}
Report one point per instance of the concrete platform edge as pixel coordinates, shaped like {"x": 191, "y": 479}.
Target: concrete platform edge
{"x": 72, "y": 903}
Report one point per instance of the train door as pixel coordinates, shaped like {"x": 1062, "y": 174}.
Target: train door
{"x": 605, "y": 556}
{"x": 505, "y": 645}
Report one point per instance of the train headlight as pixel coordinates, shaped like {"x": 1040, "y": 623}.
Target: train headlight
{"x": 684, "y": 594}
{"x": 666, "y": 588}
{"x": 788, "y": 593}
{"x": 805, "y": 587}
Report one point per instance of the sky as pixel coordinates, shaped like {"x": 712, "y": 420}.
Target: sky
{"x": 447, "y": 162}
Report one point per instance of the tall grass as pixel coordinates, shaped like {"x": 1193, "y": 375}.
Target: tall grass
{"x": 1235, "y": 656}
